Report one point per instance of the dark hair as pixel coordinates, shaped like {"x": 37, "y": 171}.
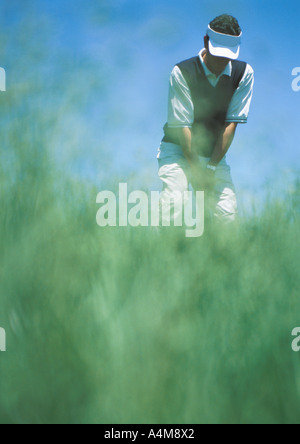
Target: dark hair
{"x": 226, "y": 24}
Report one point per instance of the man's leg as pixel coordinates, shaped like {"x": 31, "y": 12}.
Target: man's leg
{"x": 222, "y": 204}
{"x": 226, "y": 208}
{"x": 175, "y": 182}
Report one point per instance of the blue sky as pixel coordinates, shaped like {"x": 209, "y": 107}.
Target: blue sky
{"x": 132, "y": 47}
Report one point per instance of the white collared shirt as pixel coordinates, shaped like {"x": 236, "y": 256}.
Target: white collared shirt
{"x": 212, "y": 78}
{"x": 181, "y": 107}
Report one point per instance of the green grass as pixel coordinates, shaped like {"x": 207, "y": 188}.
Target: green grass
{"x": 131, "y": 326}
{"x": 127, "y": 325}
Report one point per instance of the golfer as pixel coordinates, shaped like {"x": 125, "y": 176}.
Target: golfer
{"x": 209, "y": 96}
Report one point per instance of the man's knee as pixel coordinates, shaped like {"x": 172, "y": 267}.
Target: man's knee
{"x": 226, "y": 210}
{"x": 225, "y": 217}
{"x": 174, "y": 178}
{"x": 171, "y": 207}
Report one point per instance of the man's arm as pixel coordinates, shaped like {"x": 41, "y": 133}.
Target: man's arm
{"x": 192, "y": 158}
{"x": 237, "y": 113}
{"x": 181, "y": 119}
{"x": 185, "y": 137}
{"x": 224, "y": 143}
{"x": 204, "y": 180}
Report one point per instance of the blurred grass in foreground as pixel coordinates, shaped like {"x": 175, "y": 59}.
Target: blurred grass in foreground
{"x": 124, "y": 326}
{"x": 127, "y": 326}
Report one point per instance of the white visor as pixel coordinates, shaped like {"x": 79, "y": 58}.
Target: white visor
{"x": 224, "y": 45}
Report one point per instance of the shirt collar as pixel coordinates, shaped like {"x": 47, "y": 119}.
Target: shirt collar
{"x": 227, "y": 71}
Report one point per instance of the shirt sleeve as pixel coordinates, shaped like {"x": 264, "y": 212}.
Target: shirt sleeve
{"x": 180, "y": 107}
{"x": 239, "y": 107}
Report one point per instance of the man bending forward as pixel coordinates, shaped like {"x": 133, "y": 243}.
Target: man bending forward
{"x": 209, "y": 95}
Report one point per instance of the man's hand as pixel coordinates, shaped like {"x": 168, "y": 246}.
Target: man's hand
{"x": 224, "y": 143}
{"x": 197, "y": 176}
{"x": 209, "y": 180}
{"x": 203, "y": 180}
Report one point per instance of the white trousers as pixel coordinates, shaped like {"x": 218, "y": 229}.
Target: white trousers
{"x": 174, "y": 171}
